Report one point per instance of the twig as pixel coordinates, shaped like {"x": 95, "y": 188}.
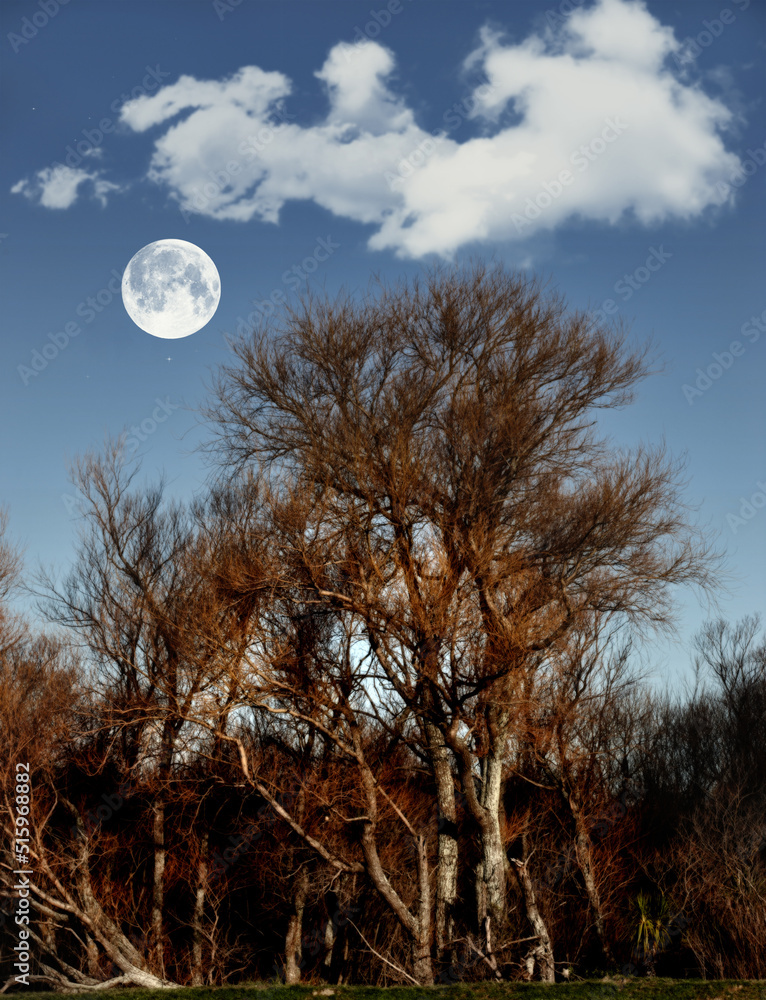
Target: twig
{"x": 492, "y": 963}
{"x": 381, "y": 957}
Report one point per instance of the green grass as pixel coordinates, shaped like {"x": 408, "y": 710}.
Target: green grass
{"x": 595, "y": 989}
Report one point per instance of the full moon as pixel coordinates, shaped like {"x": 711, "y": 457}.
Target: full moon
{"x": 171, "y": 289}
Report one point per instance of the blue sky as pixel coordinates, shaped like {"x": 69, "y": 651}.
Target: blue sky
{"x": 615, "y": 148}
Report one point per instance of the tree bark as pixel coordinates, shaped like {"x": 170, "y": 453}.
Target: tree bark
{"x": 446, "y": 876}
{"x": 91, "y": 950}
{"x": 494, "y": 863}
{"x": 418, "y": 928}
{"x": 541, "y": 954}
{"x": 294, "y": 936}
{"x": 421, "y": 951}
{"x": 199, "y": 913}
{"x": 491, "y": 871}
{"x": 85, "y": 907}
{"x": 158, "y": 883}
{"x": 330, "y": 938}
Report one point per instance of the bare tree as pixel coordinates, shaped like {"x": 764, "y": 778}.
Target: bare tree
{"x": 447, "y": 432}
{"x": 301, "y": 666}
{"x": 709, "y": 757}
{"x": 586, "y": 720}
{"x": 393, "y": 641}
{"x": 41, "y": 698}
{"x": 141, "y": 612}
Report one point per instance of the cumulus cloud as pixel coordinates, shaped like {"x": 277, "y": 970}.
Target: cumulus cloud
{"x": 59, "y": 186}
{"x": 593, "y": 119}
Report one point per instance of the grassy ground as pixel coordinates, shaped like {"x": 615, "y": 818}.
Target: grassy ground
{"x": 602, "y": 989}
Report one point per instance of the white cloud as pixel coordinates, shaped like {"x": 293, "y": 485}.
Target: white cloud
{"x": 59, "y": 186}
{"x": 600, "y": 98}
{"x": 354, "y": 76}
{"x": 250, "y": 91}
{"x": 101, "y": 188}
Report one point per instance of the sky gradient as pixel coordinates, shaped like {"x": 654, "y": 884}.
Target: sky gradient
{"x": 616, "y": 149}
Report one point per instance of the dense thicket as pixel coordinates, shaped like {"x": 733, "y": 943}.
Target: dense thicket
{"x": 368, "y": 711}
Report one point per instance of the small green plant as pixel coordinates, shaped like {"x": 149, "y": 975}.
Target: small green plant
{"x": 653, "y": 934}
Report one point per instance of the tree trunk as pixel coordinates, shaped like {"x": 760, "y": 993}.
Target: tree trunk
{"x": 541, "y": 954}
{"x": 330, "y": 938}
{"x": 422, "y": 969}
{"x": 418, "y": 927}
{"x": 446, "y": 876}
{"x": 483, "y": 799}
{"x": 199, "y": 913}
{"x": 494, "y": 863}
{"x": 584, "y": 851}
{"x": 336, "y": 932}
{"x": 158, "y": 885}
{"x": 421, "y": 951}
{"x": 293, "y": 938}
{"x": 91, "y": 951}
{"x": 86, "y": 908}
